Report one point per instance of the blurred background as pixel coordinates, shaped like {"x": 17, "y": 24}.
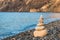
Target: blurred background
{"x": 30, "y": 5}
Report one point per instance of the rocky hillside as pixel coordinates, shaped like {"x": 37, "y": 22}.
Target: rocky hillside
{"x": 30, "y": 5}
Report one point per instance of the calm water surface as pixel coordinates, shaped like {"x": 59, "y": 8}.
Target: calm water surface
{"x": 14, "y": 23}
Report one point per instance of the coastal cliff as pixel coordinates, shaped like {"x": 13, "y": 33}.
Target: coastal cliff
{"x": 30, "y": 5}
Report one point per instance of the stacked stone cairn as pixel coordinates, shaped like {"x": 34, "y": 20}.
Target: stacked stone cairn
{"x": 40, "y": 30}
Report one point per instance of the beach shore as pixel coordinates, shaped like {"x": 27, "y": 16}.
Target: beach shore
{"x": 53, "y": 33}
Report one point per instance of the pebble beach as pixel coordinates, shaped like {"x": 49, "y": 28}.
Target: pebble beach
{"x": 53, "y": 33}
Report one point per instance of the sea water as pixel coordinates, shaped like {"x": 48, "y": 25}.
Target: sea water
{"x": 12, "y": 23}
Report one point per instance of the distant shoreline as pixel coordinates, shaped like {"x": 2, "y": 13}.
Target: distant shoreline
{"x": 30, "y": 6}
{"x": 53, "y": 29}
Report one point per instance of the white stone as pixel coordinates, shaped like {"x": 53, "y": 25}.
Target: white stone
{"x": 41, "y": 33}
{"x": 40, "y": 28}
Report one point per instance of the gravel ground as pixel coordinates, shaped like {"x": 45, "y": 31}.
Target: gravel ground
{"x": 53, "y": 33}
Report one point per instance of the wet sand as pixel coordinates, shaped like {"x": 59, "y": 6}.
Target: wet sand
{"x": 53, "y": 33}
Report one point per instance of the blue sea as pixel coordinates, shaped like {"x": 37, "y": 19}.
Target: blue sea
{"x": 12, "y": 23}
